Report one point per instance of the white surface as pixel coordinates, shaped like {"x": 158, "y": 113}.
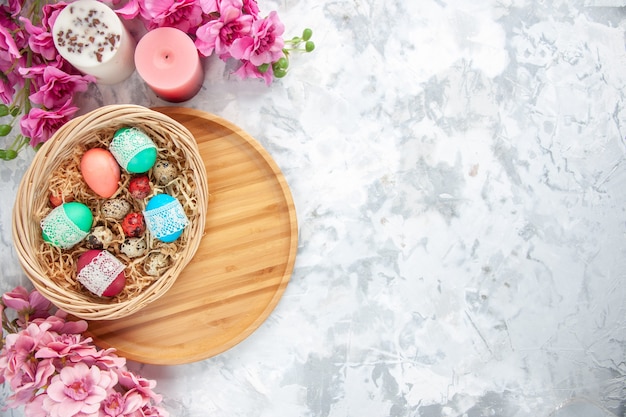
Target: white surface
{"x": 459, "y": 176}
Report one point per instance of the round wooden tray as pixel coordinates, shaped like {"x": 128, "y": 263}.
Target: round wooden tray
{"x": 241, "y": 268}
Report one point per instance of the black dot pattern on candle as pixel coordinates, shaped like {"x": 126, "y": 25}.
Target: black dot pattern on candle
{"x": 88, "y": 33}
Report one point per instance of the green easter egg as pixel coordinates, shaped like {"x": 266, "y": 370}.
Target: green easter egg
{"x": 79, "y": 214}
{"x": 133, "y": 149}
{"x": 143, "y": 161}
{"x": 67, "y": 224}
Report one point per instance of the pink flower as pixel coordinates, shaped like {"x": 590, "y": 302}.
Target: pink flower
{"x": 59, "y": 87}
{"x": 103, "y": 358}
{"x": 35, "y": 407}
{"x": 134, "y": 383}
{"x": 218, "y": 35}
{"x": 248, "y": 70}
{"x": 39, "y": 125}
{"x": 209, "y": 6}
{"x": 118, "y": 405}
{"x": 55, "y": 371}
{"x": 15, "y": 6}
{"x": 7, "y": 44}
{"x": 66, "y": 345}
{"x": 28, "y": 306}
{"x": 7, "y": 86}
{"x": 264, "y": 45}
{"x": 75, "y": 348}
{"x": 150, "y": 411}
{"x": 130, "y": 10}
{"x": 78, "y": 389}
{"x": 27, "y": 384}
{"x": 251, "y": 7}
{"x": 40, "y": 40}
{"x": 50, "y": 13}
{"x": 19, "y": 347}
{"x": 181, "y": 14}
{"x": 19, "y": 367}
{"x": 58, "y": 323}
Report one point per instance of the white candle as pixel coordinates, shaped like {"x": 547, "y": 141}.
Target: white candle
{"x": 91, "y": 37}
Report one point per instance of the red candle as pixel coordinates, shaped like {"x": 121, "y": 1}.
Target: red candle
{"x": 168, "y": 61}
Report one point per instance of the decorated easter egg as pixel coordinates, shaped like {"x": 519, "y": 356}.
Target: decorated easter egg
{"x": 133, "y": 149}
{"x": 165, "y": 217}
{"x": 100, "y": 171}
{"x": 139, "y": 186}
{"x": 101, "y": 273}
{"x": 133, "y": 225}
{"x": 67, "y": 224}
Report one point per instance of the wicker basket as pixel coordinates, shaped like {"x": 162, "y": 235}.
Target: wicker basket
{"x": 33, "y": 199}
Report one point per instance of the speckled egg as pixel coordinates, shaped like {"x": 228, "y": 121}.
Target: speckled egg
{"x": 99, "y": 238}
{"x": 155, "y": 263}
{"x": 139, "y": 186}
{"x": 133, "y": 225}
{"x": 100, "y": 272}
{"x": 164, "y": 172}
{"x": 100, "y": 171}
{"x": 133, "y": 247}
{"x": 133, "y": 149}
{"x": 67, "y": 224}
{"x": 165, "y": 217}
{"x": 115, "y": 208}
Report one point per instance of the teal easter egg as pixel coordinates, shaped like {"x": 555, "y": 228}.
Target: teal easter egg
{"x": 165, "y": 217}
{"x": 133, "y": 149}
{"x": 67, "y": 224}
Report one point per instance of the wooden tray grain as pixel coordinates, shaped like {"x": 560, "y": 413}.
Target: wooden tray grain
{"x": 241, "y": 268}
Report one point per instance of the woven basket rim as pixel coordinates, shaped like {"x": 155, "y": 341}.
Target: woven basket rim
{"x": 26, "y": 234}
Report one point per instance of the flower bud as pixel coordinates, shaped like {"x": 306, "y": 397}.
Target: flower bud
{"x": 5, "y": 130}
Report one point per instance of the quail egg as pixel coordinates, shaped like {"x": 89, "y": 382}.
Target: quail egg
{"x": 99, "y": 238}
{"x": 115, "y": 208}
{"x": 164, "y": 172}
{"x": 154, "y": 263}
{"x": 133, "y": 247}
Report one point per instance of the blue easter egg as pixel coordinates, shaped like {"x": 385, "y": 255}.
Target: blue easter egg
{"x": 165, "y": 217}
